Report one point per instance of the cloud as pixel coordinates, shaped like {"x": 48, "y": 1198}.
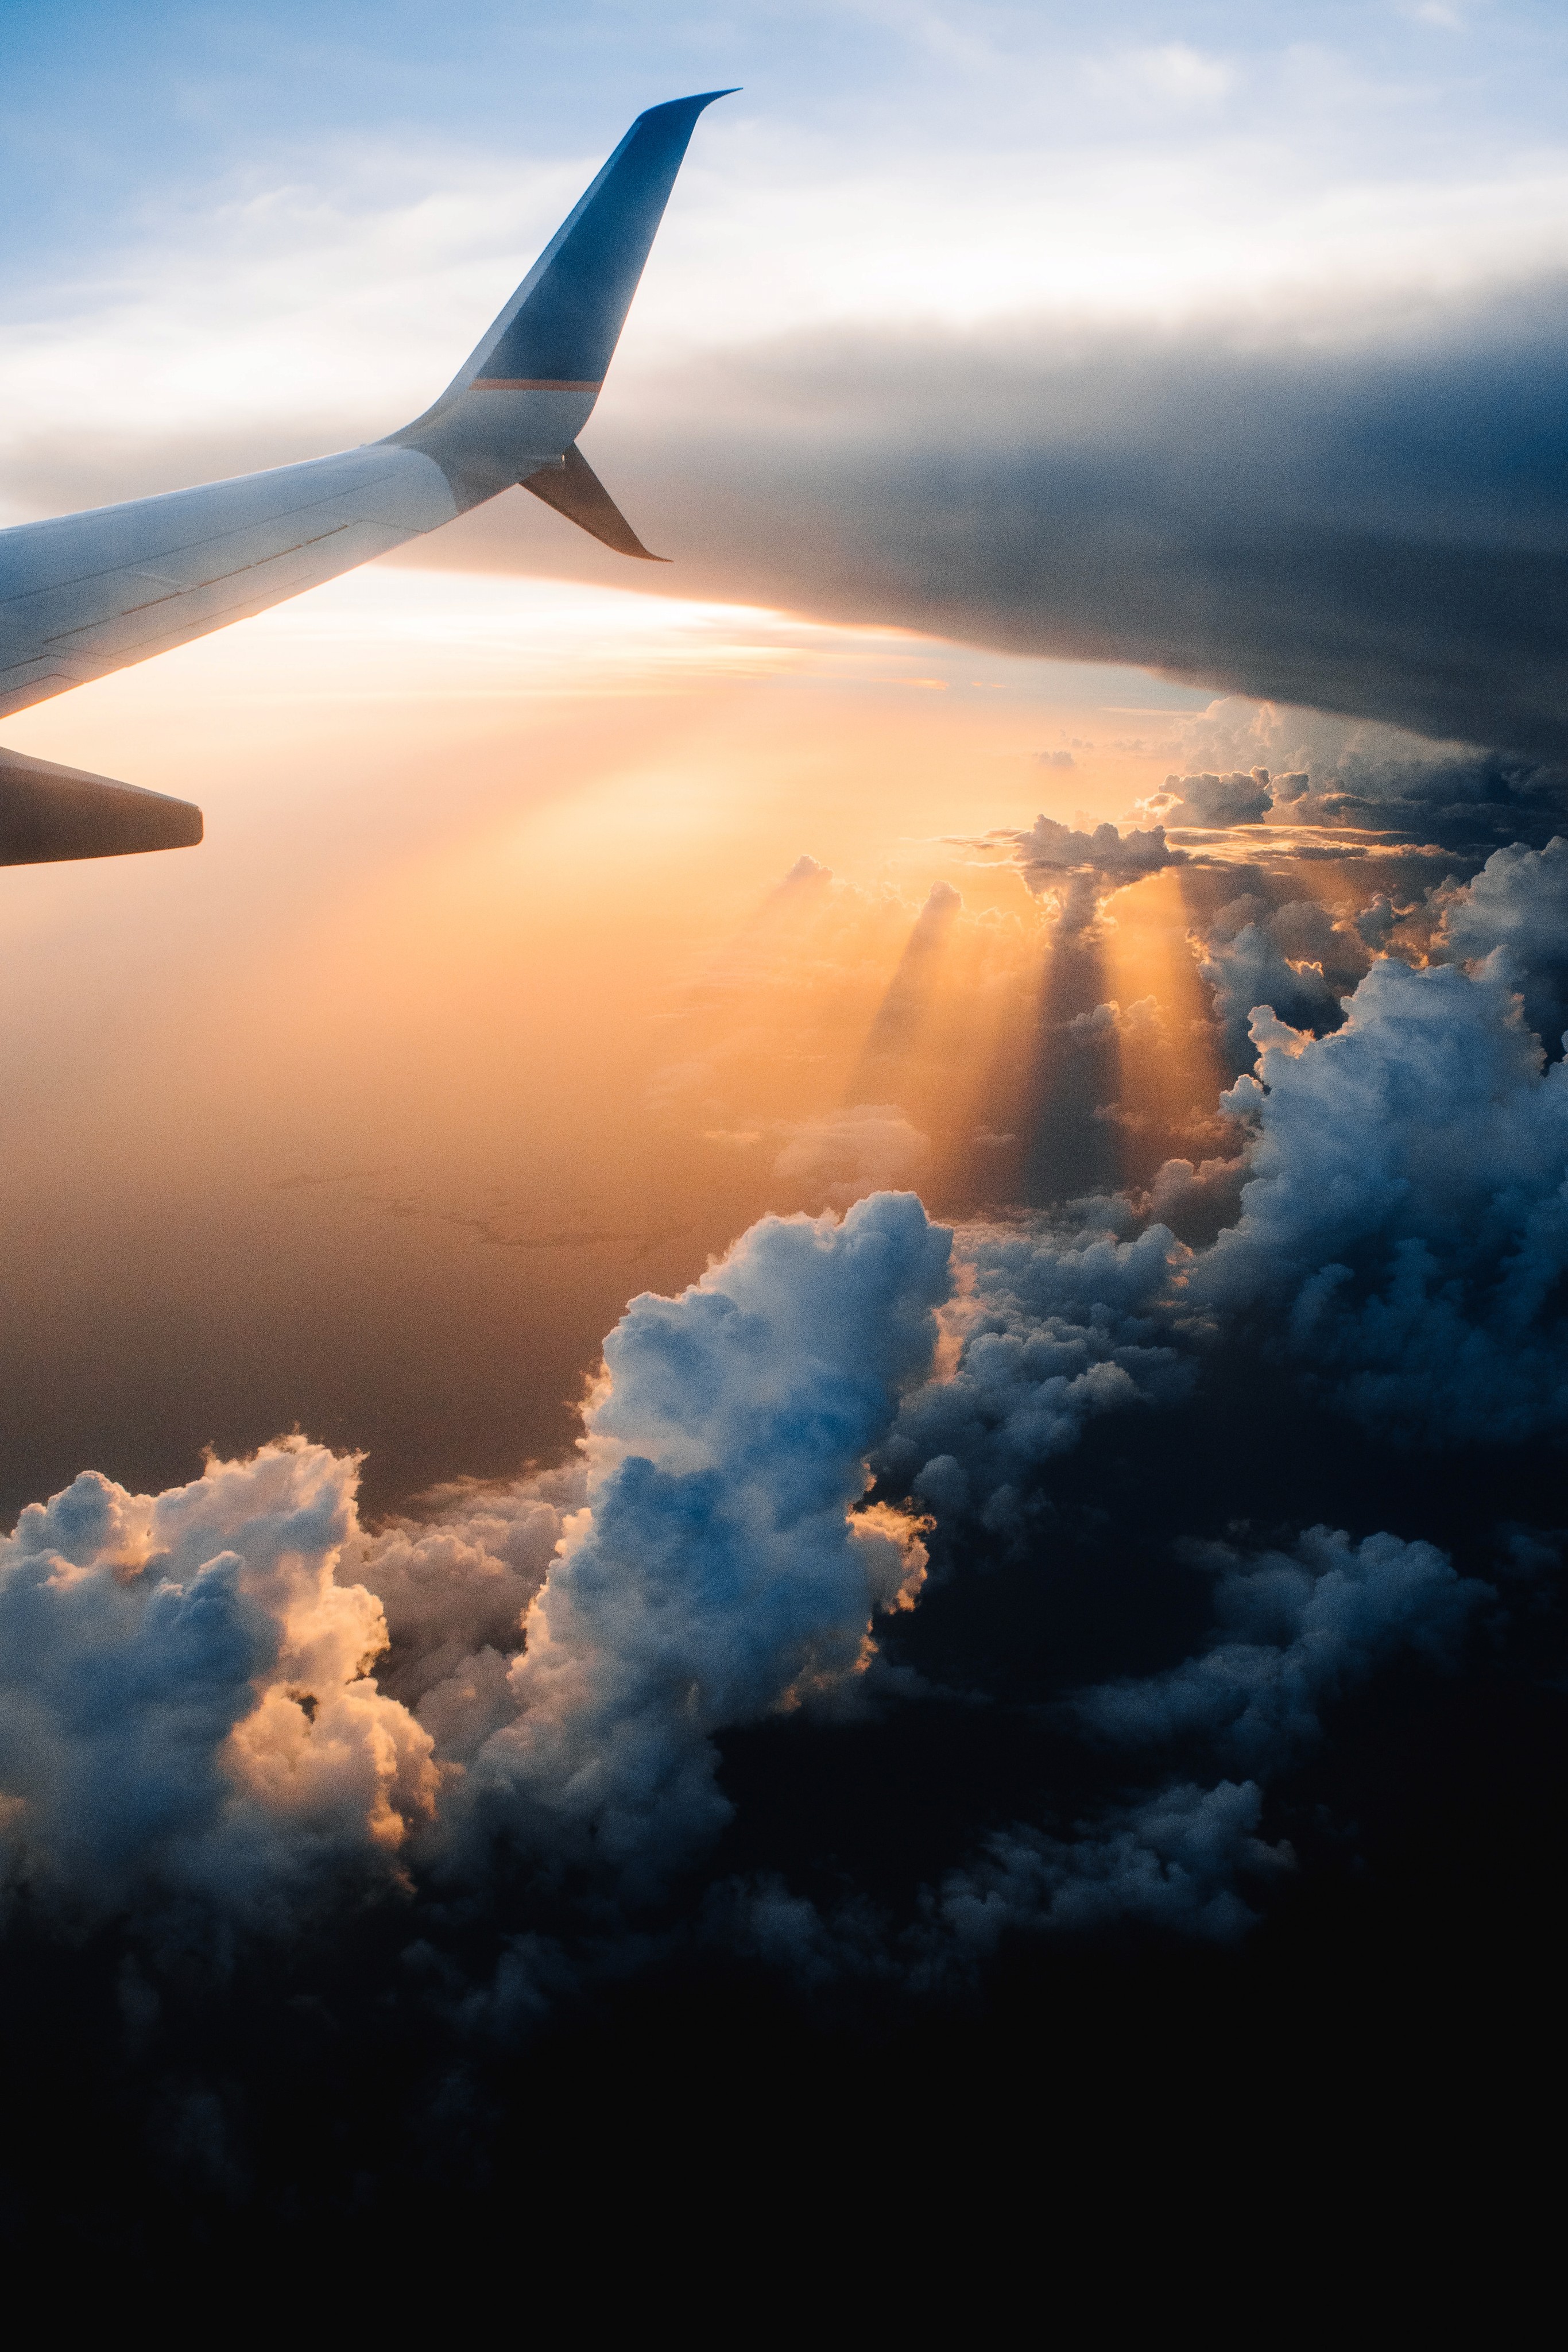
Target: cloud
{"x": 1296, "y": 958}
{"x": 1209, "y": 800}
{"x": 184, "y": 1709}
{"x": 1171, "y": 74}
{"x": 1077, "y": 869}
{"x": 1237, "y": 503}
{"x": 720, "y": 1570}
{"x": 454, "y": 1586}
{"x": 529, "y": 1701}
{"x": 1120, "y": 430}
{"x": 1050, "y": 1330}
{"x": 1511, "y": 921}
{"x": 845, "y": 1154}
{"x": 1405, "y": 1220}
{"x": 1181, "y": 1861}
{"x": 1297, "y": 1630}
{"x": 1358, "y": 774}
{"x": 1144, "y": 1018}
{"x": 1049, "y": 850}
{"x": 1298, "y": 1633}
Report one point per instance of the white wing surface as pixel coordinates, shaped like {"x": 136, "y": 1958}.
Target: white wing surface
{"x": 87, "y": 593}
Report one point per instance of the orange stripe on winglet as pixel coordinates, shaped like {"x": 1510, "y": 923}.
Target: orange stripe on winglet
{"x": 529, "y": 383}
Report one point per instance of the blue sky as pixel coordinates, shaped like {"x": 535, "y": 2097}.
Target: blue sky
{"x": 110, "y": 112}
{"x": 288, "y": 221}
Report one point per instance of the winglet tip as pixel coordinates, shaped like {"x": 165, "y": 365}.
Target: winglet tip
{"x": 697, "y": 102}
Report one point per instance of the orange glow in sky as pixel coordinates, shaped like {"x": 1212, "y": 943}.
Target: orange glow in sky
{"x": 487, "y": 1001}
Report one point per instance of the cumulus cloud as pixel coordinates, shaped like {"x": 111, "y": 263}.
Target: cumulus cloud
{"x": 1182, "y": 1861}
{"x": 1051, "y": 1330}
{"x": 455, "y": 1585}
{"x": 1296, "y": 1632}
{"x": 184, "y": 1703}
{"x": 1511, "y": 921}
{"x": 1296, "y": 958}
{"x": 1049, "y": 850}
{"x": 233, "y": 1695}
{"x": 1405, "y": 1221}
{"x": 1357, "y": 776}
{"x": 1077, "y": 869}
{"x": 1142, "y": 1018}
{"x": 720, "y": 1571}
{"x": 1394, "y": 1224}
{"x": 1210, "y": 799}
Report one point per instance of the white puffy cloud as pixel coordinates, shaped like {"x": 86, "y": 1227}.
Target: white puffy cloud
{"x": 185, "y": 1702}
{"x": 1513, "y": 919}
{"x": 232, "y": 1692}
{"x": 1296, "y": 958}
{"x": 1049, "y": 1329}
{"x": 184, "y": 1705}
{"x": 454, "y": 1586}
{"x": 1405, "y": 1221}
{"x": 720, "y": 1571}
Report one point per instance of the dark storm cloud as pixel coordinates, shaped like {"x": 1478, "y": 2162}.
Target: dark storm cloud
{"x": 1311, "y": 510}
{"x": 1460, "y": 800}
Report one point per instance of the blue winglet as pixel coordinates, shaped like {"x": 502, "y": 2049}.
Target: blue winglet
{"x": 567, "y": 326}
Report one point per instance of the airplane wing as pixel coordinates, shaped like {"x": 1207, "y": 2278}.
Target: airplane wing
{"x": 87, "y": 593}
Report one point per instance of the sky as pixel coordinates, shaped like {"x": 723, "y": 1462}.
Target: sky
{"x": 811, "y": 1305}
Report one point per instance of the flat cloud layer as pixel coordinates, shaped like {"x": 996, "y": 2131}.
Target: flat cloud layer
{"x": 1376, "y": 526}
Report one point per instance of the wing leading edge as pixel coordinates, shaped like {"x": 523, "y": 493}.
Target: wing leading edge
{"x": 89, "y": 594}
